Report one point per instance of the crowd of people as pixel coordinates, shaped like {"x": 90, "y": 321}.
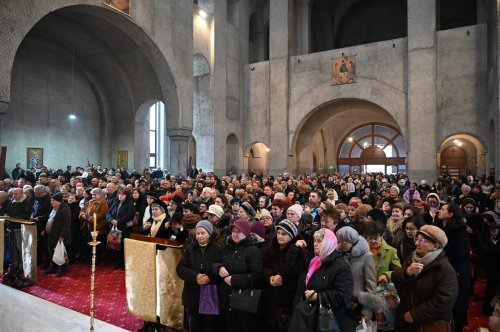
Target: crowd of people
{"x": 343, "y": 240}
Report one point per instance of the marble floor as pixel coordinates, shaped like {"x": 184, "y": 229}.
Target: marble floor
{"x": 23, "y": 312}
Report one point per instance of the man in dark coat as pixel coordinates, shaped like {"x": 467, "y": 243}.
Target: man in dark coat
{"x": 20, "y": 207}
{"x": 40, "y": 215}
{"x": 58, "y": 229}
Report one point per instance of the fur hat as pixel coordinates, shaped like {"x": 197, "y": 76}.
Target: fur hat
{"x": 216, "y": 210}
{"x": 248, "y": 209}
{"x": 242, "y": 225}
{"x": 297, "y": 209}
{"x": 259, "y": 229}
{"x": 400, "y": 205}
{"x": 348, "y": 234}
{"x": 58, "y": 197}
{"x": 434, "y": 233}
{"x": 207, "y": 225}
{"x": 190, "y": 220}
{"x": 288, "y": 227}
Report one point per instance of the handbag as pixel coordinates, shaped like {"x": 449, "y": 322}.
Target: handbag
{"x": 327, "y": 322}
{"x": 60, "y": 256}
{"x": 245, "y": 299}
{"x": 353, "y": 309}
{"x": 209, "y": 300}
{"x": 304, "y": 316}
{"x": 114, "y": 239}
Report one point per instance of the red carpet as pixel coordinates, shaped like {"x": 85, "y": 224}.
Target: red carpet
{"x": 475, "y": 315}
{"x": 73, "y": 291}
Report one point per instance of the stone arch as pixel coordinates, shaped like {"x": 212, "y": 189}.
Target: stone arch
{"x": 233, "y": 152}
{"x": 470, "y": 156}
{"x": 203, "y": 113}
{"x": 116, "y": 62}
{"x": 258, "y": 158}
{"x": 328, "y": 125}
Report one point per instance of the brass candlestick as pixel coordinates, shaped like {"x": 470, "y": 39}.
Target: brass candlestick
{"x": 94, "y": 244}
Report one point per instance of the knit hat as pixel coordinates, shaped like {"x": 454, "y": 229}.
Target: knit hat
{"x": 297, "y": 209}
{"x": 400, "y": 205}
{"x": 280, "y": 196}
{"x": 347, "y": 234}
{"x": 434, "y": 233}
{"x": 216, "y": 210}
{"x": 395, "y": 188}
{"x": 207, "y": 225}
{"x": 259, "y": 229}
{"x": 57, "y": 197}
{"x": 288, "y": 227}
{"x": 242, "y": 225}
{"x": 190, "y": 220}
{"x": 248, "y": 209}
{"x": 264, "y": 213}
{"x": 160, "y": 204}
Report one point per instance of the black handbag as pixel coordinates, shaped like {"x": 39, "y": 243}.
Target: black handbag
{"x": 353, "y": 309}
{"x": 245, "y": 299}
{"x": 327, "y": 322}
{"x": 304, "y": 316}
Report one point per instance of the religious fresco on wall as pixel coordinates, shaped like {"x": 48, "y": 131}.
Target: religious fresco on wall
{"x": 35, "y": 158}
{"x": 344, "y": 70}
{"x": 121, "y": 5}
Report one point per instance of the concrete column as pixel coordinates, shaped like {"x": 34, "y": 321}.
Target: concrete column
{"x": 303, "y": 25}
{"x": 422, "y": 96}
{"x": 279, "y": 26}
{"x": 178, "y": 150}
{"x": 3, "y": 111}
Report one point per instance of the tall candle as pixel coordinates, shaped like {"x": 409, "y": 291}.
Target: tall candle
{"x": 95, "y": 222}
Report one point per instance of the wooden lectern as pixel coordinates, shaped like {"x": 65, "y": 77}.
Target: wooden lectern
{"x": 152, "y": 285}
{"x": 29, "y": 245}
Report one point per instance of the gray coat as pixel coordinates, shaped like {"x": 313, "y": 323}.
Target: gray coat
{"x": 360, "y": 259}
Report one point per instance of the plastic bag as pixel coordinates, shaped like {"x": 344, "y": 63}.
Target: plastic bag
{"x": 362, "y": 326}
{"x": 60, "y": 255}
{"x": 387, "y": 316}
{"x": 114, "y": 239}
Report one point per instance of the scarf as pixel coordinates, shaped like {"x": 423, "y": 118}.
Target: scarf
{"x": 374, "y": 248}
{"x": 314, "y": 265}
{"x": 157, "y": 223}
{"x": 427, "y": 258}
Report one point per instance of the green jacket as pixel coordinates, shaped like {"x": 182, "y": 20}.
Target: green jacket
{"x": 386, "y": 260}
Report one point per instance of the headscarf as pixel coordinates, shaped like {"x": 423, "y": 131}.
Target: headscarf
{"x": 327, "y": 246}
{"x": 494, "y": 225}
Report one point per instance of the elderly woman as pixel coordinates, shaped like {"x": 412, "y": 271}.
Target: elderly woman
{"x": 98, "y": 206}
{"x": 247, "y": 212}
{"x": 427, "y": 284}
{"x": 195, "y": 268}
{"x": 282, "y": 267}
{"x": 240, "y": 267}
{"x": 356, "y": 253}
{"x": 385, "y": 257}
{"x": 457, "y": 249}
{"x": 158, "y": 225}
{"x": 406, "y": 246}
{"x": 328, "y": 275}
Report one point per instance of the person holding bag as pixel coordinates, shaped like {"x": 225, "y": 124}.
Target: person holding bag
{"x": 200, "y": 295}
{"x": 239, "y": 268}
{"x": 329, "y": 276}
{"x": 58, "y": 229}
{"x": 427, "y": 285}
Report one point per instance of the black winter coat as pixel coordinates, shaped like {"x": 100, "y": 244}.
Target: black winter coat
{"x": 21, "y": 210}
{"x": 243, "y": 261}
{"x": 41, "y": 210}
{"x": 457, "y": 251}
{"x": 434, "y": 293}
{"x": 194, "y": 261}
{"x": 124, "y": 214}
{"x": 334, "y": 280}
{"x": 61, "y": 226}
{"x": 289, "y": 263}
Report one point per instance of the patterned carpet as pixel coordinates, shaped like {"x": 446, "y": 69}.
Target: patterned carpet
{"x": 72, "y": 291}
{"x": 475, "y": 315}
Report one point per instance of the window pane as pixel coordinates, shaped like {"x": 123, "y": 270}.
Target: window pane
{"x": 152, "y": 118}
{"x": 343, "y": 169}
{"x": 344, "y": 150}
{"x": 364, "y": 131}
{"x": 385, "y": 131}
{"x": 356, "y": 152}
{"x": 152, "y": 161}
{"x": 152, "y": 142}
{"x": 401, "y": 145}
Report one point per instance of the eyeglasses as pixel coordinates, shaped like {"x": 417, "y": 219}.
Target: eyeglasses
{"x": 421, "y": 240}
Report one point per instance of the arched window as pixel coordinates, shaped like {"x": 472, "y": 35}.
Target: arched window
{"x": 373, "y": 147}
